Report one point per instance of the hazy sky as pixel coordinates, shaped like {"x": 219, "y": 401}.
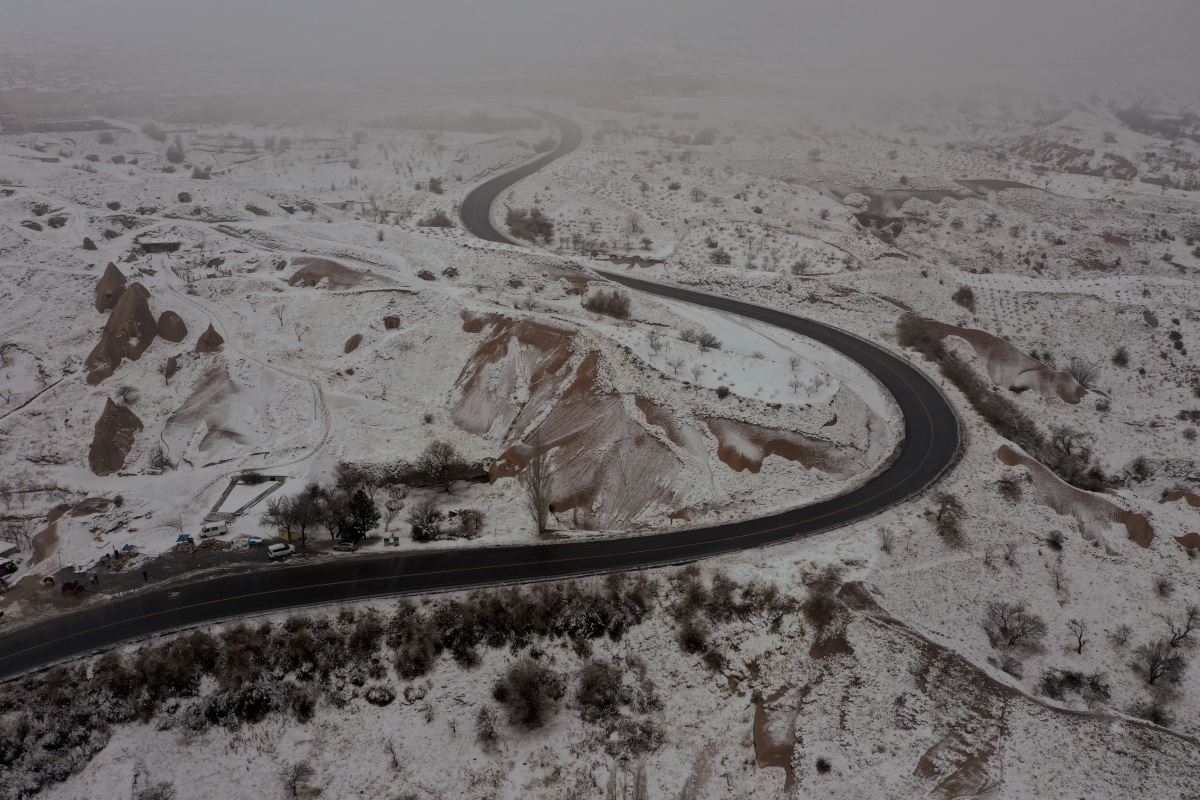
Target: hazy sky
{"x": 1030, "y": 38}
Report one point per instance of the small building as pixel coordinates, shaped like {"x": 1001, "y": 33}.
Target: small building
{"x": 159, "y": 245}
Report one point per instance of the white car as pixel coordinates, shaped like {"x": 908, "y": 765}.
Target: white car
{"x": 280, "y": 550}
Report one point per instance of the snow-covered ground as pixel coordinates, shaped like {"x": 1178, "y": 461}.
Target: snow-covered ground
{"x": 855, "y": 219}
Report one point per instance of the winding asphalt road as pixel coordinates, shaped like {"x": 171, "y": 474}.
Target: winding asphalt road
{"x": 931, "y": 442}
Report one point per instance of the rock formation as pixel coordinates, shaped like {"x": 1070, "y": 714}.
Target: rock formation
{"x": 113, "y": 438}
{"x": 129, "y": 331}
{"x": 171, "y": 327}
{"x": 210, "y": 341}
{"x": 110, "y": 288}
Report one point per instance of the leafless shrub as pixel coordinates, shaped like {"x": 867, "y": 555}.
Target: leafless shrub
{"x": 157, "y": 791}
{"x": 821, "y": 607}
{"x": 887, "y": 540}
{"x": 1119, "y": 636}
{"x": 1010, "y": 487}
{"x": 1085, "y": 371}
{"x": 485, "y": 727}
{"x": 1154, "y": 710}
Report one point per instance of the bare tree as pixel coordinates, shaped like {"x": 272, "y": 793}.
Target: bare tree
{"x": 393, "y": 505}
{"x": 1078, "y": 629}
{"x": 539, "y": 486}
{"x": 1013, "y": 624}
{"x": 441, "y": 464}
{"x": 655, "y": 338}
{"x": 1158, "y": 660}
{"x": 675, "y": 364}
{"x": 1183, "y": 629}
{"x": 278, "y": 312}
{"x": 294, "y": 777}
{"x": 1059, "y": 574}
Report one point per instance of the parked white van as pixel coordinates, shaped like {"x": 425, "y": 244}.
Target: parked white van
{"x": 211, "y": 529}
{"x": 280, "y": 550}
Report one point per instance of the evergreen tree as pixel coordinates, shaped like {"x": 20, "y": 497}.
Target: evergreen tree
{"x": 363, "y": 516}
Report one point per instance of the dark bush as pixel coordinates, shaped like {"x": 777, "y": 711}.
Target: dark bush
{"x": 601, "y": 691}
{"x": 965, "y": 297}
{"x": 154, "y": 132}
{"x": 693, "y": 636}
{"x": 529, "y": 690}
{"x": 529, "y": 224}
{"x": 438, "y": 219}
{"x": 612, "y": 302}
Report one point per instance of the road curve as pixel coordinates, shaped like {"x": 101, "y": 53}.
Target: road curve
{"x": 931, "y": 441}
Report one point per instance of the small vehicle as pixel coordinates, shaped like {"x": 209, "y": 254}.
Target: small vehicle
{"x": 280, "y": 550}
{"x": 346, "y": 546}
{"x": 210, "y": 529}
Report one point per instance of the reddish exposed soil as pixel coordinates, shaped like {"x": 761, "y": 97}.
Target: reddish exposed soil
{"x": 744, "y": 447}
{"x": 1009, "y": 367}
{"x": 1189, "y": 540}
{"x": 775, "y": 736}
{"x": 964, "y": 767}
{"x": 886, "y": 203}
{"x": 526, "y": 384}
{"x": 352, "y": 343}
{"x": 1192, "y": 498}
{"x": 518, "y": 356}
{"x": 608, "y": 469}
{"x": 1090, "y": 510}
{"x": 680, "y": 435}
{"x": 1149, "y": 318}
